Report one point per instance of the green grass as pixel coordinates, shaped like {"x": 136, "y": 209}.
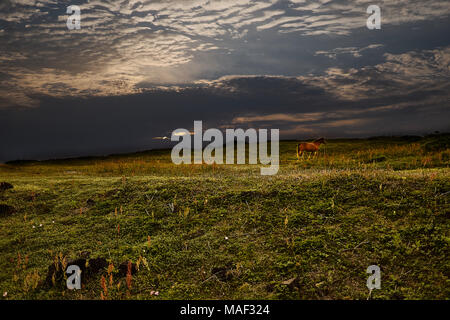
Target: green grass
{"x": 232, "y": 233}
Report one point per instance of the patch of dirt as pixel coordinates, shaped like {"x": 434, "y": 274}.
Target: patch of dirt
{"x": 82, "y": 210}
{"x": 6, "y": 210}
{"x": 57, "y": 271}
{"x": 5, "y": 186}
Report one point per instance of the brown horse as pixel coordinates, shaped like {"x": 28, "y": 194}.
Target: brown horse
{"x": 311, "y": 147}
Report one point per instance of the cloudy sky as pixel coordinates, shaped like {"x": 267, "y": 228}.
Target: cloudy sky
{"x": 137, "y": 70}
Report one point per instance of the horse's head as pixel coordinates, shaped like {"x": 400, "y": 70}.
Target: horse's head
{"x": 321, "y": 140}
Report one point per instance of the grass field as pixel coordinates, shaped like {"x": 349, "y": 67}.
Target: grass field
{"x": 226, "y": 232}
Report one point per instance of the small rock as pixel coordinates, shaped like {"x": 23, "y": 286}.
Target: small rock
{"x": 5, "y": 186}
{"x": 6, "y": 210}
{"x": 290, "y": 283}
{"x": 318, "y": 285}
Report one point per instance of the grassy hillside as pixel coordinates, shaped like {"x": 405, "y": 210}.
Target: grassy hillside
{"x": 226, "y": 232}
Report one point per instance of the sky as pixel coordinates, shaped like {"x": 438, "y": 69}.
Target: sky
{"x": 137, "y": 70}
